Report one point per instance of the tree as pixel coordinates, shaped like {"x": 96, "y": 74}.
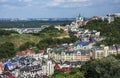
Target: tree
{"x": 7, "y": 50}
{"x": 108, "y": 67}
{"x": 75, "y": 73}
{"x": 27, "y": 45}
{"x": 7, "y": 32}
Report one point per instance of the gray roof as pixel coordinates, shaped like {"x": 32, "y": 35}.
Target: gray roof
{"x": 83, "y": 52}
{"x": 98, "y": 48}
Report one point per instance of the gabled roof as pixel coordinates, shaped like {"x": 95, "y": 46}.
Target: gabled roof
{"x": 29, "y": 51}
{"x": 57, "y": 66}
{"x": 25, "y": 52}
{"x": 83, "y": 52}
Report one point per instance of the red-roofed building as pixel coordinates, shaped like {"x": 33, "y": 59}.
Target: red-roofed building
{"x": 28, "y": 51}
{"x": 41, "y": 51}
{"x": 56, "y": 66}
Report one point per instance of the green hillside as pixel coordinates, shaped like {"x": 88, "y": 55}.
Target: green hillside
{"x": 110, "y": 31}
{"x": 11, "y": 41}
{"x": 19, "y": 39}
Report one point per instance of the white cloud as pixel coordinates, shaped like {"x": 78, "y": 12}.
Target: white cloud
{"x": 70, "y": 0}
{"x": 77, "y": 0}
{"x": 43, "y": 3}
{"x": 25, "y": 0}
{"x": 14, "y": 4}
{"x": 67, "y": 3}
{"x": 51, "y": 3}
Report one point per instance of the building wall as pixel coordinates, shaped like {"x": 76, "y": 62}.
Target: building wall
{"x": 70, "y": 57}
{"x": 104, "y": 52}
{"x": 48, "y": 69}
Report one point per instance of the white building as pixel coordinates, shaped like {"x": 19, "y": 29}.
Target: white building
{"x": 48, "y": 68}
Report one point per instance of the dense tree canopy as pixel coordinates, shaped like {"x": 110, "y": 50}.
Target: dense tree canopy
{"x": 26, "y": 45}
{"x": 7, "y": 50}
{"x": 7, "y": 32}
{"x": 108, "y": 67}
{"x": 50, "y": 42}
{"x": 75, "y": 73}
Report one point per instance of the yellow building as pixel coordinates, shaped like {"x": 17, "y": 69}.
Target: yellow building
{"x": 71, "y": 56}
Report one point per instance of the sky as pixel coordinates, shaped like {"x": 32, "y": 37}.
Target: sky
{"x": 57, "y": 8}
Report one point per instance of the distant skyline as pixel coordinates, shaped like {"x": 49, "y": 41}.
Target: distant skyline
{"x": 57, "y": 8}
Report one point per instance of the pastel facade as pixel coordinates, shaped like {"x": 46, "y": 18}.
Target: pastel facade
{"x": 100, "y": 52}
{"x": 79, "y": 55}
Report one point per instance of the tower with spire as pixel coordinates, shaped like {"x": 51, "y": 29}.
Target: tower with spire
{"x": 79, "y": 19}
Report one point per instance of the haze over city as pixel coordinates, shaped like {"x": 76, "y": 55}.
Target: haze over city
{"x": 57, "y": 8}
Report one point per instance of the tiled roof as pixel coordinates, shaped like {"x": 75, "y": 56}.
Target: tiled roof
{"x": 25, "y": 52}
{"x": 83, "y": 52}
{"x": 41, "y": 51}
{"x": 29, "y": 51}
{"x": 57, "y": 66}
